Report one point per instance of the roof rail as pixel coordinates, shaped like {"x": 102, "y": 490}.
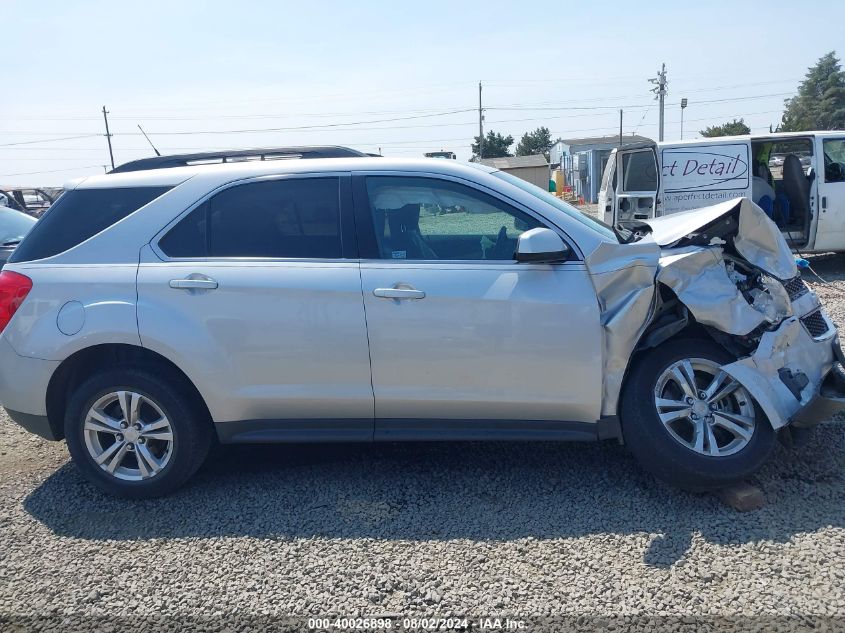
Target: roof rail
{"x": 237, "y": 156}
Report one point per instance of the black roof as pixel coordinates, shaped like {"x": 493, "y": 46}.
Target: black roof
{"x": 236, "y": 156}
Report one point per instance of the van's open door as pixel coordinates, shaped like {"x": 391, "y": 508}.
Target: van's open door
{"x": 830, "y": 175}
{"x": 637, "y": 183}
{"x": 607, "y": 191}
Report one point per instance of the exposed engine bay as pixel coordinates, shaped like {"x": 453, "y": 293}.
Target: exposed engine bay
{"x": 727, "y": 271}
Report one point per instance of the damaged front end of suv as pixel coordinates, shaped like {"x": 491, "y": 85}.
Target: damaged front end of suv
{"x": 723, "y": 273}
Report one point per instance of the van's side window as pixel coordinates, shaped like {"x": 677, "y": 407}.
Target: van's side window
{"x": 834, "y": 160}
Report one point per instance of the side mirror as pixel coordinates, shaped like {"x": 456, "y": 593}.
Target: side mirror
{"x": 541, "y": 246}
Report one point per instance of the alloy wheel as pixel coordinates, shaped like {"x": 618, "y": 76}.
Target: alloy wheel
{"x": 703, "y": 408}
{"x": 128, "y": 435}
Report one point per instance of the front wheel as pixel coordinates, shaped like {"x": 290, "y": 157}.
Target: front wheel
{"x": 135, "y": 434}
{"x": 688, "y": 422}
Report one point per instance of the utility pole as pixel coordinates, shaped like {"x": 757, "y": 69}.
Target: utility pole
{"x": 620, "y": 128}
{"x": 683, "y": 107}
{"x": 480, "y": 125}
{"x": 108, "y": 135}
{"x": 660, "y": 93}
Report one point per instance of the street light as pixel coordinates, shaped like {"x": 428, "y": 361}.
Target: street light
{"x": 683, "y": 105}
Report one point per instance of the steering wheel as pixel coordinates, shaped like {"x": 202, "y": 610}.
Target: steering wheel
{"x": 500, "y": 248}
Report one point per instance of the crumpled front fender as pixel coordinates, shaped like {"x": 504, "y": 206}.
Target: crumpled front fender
{"x": 623, "y": 277}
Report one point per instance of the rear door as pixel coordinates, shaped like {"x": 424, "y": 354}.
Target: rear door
{"x": 464, "y": 341}
{"x": 637, "y": 184}
{"x": 830, "y": 175}
{"x": 256, "y": 294}
{"x": 607, "y": 191}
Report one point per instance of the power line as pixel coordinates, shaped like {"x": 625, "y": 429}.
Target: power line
{"x": 52, "y": 171}
{"x": 209, "y": 148}
{"x": 459, "y": 124}
{"x": 168, "y": 117}
{"x": 285, "y": 129}
{"x": 468, "y": 123}
{"x": 49, "y": 140}
{"x": 775, "y": 94}
{"x": 512, "y": 107}
{"x": 641, "y": 122}
{"x": 526, "y": 107}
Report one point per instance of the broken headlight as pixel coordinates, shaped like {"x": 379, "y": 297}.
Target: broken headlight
{"x": 770, "y": 299}
{"x": 765, "y": 294}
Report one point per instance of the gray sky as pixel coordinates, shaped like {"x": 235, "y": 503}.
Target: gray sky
{"x": 401, "y": 76}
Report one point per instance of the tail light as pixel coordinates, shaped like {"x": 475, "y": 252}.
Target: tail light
{"x": 13, "y": 290}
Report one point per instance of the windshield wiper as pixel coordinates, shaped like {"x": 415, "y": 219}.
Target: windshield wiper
{"x": 13, "y": 242}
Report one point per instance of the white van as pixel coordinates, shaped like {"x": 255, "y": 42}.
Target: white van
{"x": 797, "y": 178}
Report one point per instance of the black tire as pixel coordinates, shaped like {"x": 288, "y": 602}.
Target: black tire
{"x": 192, "y": 431}
{"x": 658, "y": 451}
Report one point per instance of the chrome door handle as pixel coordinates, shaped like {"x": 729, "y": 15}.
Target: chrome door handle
{"x": 399, "y": 293}
{"x": 193, "y": 284}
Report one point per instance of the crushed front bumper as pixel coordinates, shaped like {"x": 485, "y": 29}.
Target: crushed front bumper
{"x": 830, "y": 399}
{"x": 794, "y": 376}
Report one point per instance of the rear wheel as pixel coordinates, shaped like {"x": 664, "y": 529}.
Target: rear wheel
{"x": 135, "y": 434}
{"x": 688, "y": 422}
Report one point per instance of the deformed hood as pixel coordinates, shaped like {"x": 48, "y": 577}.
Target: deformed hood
{"x": 755, "y": 237}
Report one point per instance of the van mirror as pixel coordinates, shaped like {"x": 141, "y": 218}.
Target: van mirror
{"x": 541, "y": 246}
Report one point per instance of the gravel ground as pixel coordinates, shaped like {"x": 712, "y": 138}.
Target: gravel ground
{"x": 524, "y": 530}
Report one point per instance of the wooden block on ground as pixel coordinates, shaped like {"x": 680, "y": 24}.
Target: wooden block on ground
{"x": 742, "y": 497}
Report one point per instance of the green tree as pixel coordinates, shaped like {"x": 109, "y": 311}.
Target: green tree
{"x": 537, "y": 142}
{"x": 820, "y": 102}
{"x": 495, "y": 145}
{"x": 732, "y": 128}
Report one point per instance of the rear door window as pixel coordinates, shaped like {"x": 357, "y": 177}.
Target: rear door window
{"x": 288, "y": 218}
{"x": 78, "y": 215}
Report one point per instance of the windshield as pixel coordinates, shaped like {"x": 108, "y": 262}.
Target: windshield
{"x": 560, "y": 205}
{"x": 14, "y": 225}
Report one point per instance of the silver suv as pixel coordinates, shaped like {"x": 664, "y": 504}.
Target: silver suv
{"x": 171, "y": 304}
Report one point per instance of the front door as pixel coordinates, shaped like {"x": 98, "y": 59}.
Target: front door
{"x": 465, "y": 341}
{"x": 257, "y": 296}
{"x": 830, "y": 166}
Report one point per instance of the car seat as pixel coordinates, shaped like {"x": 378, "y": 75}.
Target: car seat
{"x": 796, "y": 186}
{"x": 405, "y": 236}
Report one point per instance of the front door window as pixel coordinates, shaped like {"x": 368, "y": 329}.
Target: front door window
{"x": 430, "y": 219}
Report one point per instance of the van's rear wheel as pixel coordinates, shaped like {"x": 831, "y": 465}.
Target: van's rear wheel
{"x": 688, "y": 422}
{"x": 133, "y": 434}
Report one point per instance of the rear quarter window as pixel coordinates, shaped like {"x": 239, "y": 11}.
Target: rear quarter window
{"x": 78, "y": 215}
